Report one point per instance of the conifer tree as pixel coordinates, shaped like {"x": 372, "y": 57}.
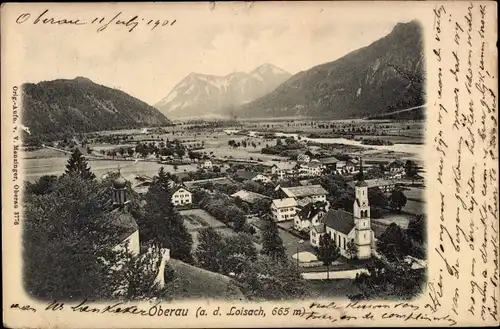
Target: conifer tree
{"x": 162, "y": 223}
{"x": 78, "y": 165}
{"x": 272, "y": 244}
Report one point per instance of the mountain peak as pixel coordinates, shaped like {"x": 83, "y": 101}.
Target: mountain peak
{"x": 267, "y": 67}
{"x": 201, "y": 94}
{"x": 83, "y": 79}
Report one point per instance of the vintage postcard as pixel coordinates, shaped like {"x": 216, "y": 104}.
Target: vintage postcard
{"x": 249, "y": 164}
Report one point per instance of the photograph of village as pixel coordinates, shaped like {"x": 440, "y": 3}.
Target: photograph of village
{"x": 250, "y": 185}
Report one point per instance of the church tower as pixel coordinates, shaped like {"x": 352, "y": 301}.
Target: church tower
{"x": 361, "y": 210}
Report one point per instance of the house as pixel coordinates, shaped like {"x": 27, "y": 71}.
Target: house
{"x": 396, "y": 166}
{"x": 248, "y": 196}
{"x": 313, "y": 192}
{"x": 303, "y": 158}
{"x": 310, "y": 215}
{"x": 139, "y": 183}
{"x": 283, "y": 169}
{"x": 386, "y": 185}
{"x": 181, "y": 196}
{"x": 243, "y": 175}
{"x": 313, "y": 168}
{"x": 330, "y": 163}
{"x": 283, "y": 209}
{"x": 207, "y": 164}
{"x": 351, "y": 166}
{"x": 216, "y": 180}
{"x": 348, "y": 229}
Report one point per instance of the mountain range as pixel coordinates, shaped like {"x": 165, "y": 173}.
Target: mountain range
{"x": 63, "y": 107}
{"x": 386, "y": 76}
{"x": 208, "y": 95}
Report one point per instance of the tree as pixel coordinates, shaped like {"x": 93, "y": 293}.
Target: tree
{"x": 130, "y": 152}
{"x": 236, "y": 251}
{"x": 278, "y": 142}
{"x": 398, "y": 200}
{"x": 389, "y": 280}
{"x": 134, "y": 277}
{"x": 43, "y": 185}
{"x": 261, "y": 206}
{"x": 236, "y": 216}
{"x": 266, "y": 279}
{"x": 209, "y": 249}
{"x": 411, "y": 169}
{"x": 78, "y": 165}
{"x": 417, "y": 229}
{"x": 162, "y": 223}
{"x": 180, "y": 152}
{"x": 377, "y": 198}
{"x": 328, "y": 252}
{"x": 352, "y": 249}
{"x": 272, "y": 244}
{"x": 68, "y": 242}
{"x": 393, "y": 243}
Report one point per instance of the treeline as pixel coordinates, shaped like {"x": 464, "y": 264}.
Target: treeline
{"x": 281, "y": 148}
{"x": 265, "y": 276}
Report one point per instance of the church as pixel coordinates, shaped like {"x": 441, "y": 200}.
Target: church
{"x": 125, "y": 231}
{"x": 347, "y": 229}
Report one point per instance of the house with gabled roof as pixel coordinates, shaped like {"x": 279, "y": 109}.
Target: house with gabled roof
{"x": 312, "y": 168}
{"x": 314, "y": 192}
{"x": 284, "y": 169}
{"x": 243, "y": 175}
{"x": 181, "y": 195}
{"x": 309, "y": 215}
{"x": 249, "y": 196}
{"x": 396, "y": 166}
{"x": 283, "y": 209}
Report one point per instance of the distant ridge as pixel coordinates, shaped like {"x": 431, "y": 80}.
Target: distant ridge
{"x": 64, "y": 107}
{"x": 386, "y": 76}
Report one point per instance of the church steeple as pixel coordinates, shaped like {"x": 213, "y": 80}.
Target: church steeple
{"x": 361, "y": 179}
{"x": 361, "y": 209}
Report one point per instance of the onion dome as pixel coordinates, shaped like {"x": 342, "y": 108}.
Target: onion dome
{"x": 120, "y": 182}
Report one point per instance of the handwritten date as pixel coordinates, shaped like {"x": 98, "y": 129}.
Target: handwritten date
{"x": 102, "y": 23}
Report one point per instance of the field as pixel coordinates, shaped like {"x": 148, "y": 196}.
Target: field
{"x": 196, "y": 219}
{"x": 35, "y": 168}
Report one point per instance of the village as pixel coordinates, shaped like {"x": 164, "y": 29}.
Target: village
{"x": 236, "y": 181}
{"x": 309, "y": 194}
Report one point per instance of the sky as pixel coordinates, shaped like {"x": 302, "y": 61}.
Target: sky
{"x": 204, "y": 39}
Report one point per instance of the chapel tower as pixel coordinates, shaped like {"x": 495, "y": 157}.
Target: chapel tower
{"x": 120, "y": 199}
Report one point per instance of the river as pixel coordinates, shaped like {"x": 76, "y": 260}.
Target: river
{"x": 417, "y": 149}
